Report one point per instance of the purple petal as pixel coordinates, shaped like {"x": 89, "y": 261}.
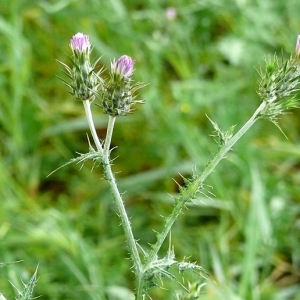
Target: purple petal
{"x": 80, "y": 42}
{"x": 124, "y": 65}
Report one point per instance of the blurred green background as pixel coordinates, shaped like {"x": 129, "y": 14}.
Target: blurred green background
{"x": 199, "y": 58}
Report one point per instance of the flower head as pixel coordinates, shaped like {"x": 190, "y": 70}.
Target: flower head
{"x": 85, "y": 81}
{"x": 278, "y": 87}
{"x": 123, "y": 66}
{"x": 117, "y": 97}
{"x": 80, "y": 42}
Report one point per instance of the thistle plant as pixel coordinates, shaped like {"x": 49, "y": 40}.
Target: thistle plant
{"x": 277, "y": 88}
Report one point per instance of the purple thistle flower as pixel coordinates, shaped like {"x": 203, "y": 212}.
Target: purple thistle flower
{"x": 124, "y": 66}
{"x": 117, "y": 93}
{"x": 80, "y": 42}
{"x": 85, "y": 81}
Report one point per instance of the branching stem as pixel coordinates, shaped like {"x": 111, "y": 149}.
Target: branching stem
{"x": 185, "y": 196}
{"x": 105, "y": 152}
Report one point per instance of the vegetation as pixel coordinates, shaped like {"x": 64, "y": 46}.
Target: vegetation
{"x": 199, "y": 59}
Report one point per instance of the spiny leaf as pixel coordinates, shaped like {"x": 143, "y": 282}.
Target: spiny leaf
{"x": 92, "y": 155}
{"x": 183, "y": 266}
{"x": 27, "y": 292}
{"x": 3, "y": 264}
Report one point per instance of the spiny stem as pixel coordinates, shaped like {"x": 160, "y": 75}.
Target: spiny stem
{"x": 190, "y": 190}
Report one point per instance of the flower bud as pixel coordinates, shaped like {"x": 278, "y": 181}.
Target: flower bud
{"x": 279, "y": 80}
{"x": 84, "y": 80}
{"x": 117, "y": 96}
{"x": 278, "y": 87}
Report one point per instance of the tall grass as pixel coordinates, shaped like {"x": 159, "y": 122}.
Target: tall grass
{"x": 201, "y": 62}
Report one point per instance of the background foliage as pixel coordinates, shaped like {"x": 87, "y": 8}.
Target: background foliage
{"x": 200, "y": 62}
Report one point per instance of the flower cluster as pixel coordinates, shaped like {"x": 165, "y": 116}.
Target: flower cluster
{"x": 116, "y": 93}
